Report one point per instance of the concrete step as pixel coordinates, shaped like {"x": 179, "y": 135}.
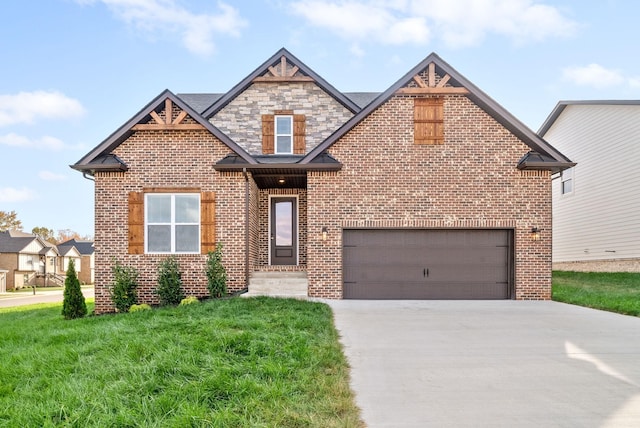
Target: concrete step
{"x": 278, "y": 284}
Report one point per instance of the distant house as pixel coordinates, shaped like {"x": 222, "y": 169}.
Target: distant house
{"x": 27, "y": 260}
{"x": 427, "y": 190}
{"x": 85, "y": 259}
{"x": 596, "y": 204}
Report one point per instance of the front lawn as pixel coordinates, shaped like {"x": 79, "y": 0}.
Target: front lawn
{"x": 615, "y": 292}
{"x": 229, "y": 363}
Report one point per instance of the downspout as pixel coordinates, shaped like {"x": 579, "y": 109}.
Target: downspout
{"x": 84, "y": 174}
{"x": 246, "y": 228}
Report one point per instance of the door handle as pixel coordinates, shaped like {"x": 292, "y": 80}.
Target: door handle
{"x": 425, "y": 273}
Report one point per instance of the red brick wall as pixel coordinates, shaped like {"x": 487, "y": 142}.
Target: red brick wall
{"x": 471, "y": 181}
{"x": 167, "y": 159}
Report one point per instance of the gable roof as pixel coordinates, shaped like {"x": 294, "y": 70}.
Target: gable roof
{"x": 478, "y": 97}
{"x": 100, "y": 158}
{"x": 65, "y": 250}
{"x": 277, "y": 58}
{"x": 14, "y": 241}
{"x": 559, "y": 108}
{"x": 83, "y": 247}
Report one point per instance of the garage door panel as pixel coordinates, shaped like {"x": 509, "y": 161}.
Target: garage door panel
{"x": 427, "y": 264}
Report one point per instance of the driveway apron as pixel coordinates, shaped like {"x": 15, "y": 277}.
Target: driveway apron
{"x": 490, "y": 363}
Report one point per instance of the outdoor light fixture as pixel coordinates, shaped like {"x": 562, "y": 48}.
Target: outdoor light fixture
{"x": 325, "y": 233}
{"x": 535, "y": 234}
{"x": 281, "y": 180}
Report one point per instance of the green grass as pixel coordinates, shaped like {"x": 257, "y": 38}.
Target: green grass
{"x": 228, "y": 363}
{"x": 615, "y": 292}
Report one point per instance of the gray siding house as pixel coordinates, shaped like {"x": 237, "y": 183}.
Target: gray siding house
{"x": 596, "y": 204}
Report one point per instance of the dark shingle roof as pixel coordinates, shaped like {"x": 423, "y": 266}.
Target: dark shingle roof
{"x": 13, "y": 241}
{"x": 83, "y": 247}
{"x": 199, "y": 102}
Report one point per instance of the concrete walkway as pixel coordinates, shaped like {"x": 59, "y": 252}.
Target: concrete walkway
{"x": 490, "y": 364}
{"x": 21, "y": 299}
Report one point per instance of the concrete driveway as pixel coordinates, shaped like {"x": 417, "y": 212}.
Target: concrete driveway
{"x": 491, "y": 364}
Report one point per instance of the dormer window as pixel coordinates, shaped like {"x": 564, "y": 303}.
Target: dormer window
{"x": 284, "y": 135}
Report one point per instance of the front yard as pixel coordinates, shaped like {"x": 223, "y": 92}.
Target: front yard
{"x": 614, "y": 292}
{"x": 228, "y": 363}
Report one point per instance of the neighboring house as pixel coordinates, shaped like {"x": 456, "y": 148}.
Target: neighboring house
{"x": 428, "y": 190}
{"x": 3, "y": 280}
{"x": 85, "y": 264}
{"x": 28, "y": 260}
{"x": 596, "y": 204}
{"x": 68, "y": 253}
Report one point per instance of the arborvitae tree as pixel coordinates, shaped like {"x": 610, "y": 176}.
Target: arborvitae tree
{"x": 73, "y": 305}
{"x": 123, "y": 289}
{"x": 169, "y": 282}
{"x": 216, "y": 273}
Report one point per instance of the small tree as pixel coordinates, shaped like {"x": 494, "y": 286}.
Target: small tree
{"x": 169, "y": 282}
{"x": 73, "y": 305}
{"x": 123, "y": 289}
{"x": 216, "y": 273}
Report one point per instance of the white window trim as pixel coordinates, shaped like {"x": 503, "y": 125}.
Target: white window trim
{"x": 173, "y": 224}
{"x": 567, "y": 175}
{"x": 276, "y": 134}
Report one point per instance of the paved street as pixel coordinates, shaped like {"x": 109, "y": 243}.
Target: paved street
{"x": 20, "y": 299}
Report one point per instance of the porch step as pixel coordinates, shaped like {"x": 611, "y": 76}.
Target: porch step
{"x": 278, "y": 284}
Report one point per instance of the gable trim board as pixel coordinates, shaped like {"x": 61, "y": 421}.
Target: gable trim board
{"x": 478, "y": 97}
{"x": 430, "y": 153}
{"x": 95, "y": 159}
{"x": 274, "y": 60}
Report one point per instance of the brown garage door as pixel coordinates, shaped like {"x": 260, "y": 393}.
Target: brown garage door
{"x": 427, "y": 264}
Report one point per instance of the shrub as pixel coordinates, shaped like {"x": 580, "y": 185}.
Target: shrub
{"x": 169, "y": 282}
{"x": 216, "y": 273}
{"x": 123, "y": 289}
{"x": 73, "y": 305}
{"x": 189, "y": 301}
{"x": 138, "y": 308}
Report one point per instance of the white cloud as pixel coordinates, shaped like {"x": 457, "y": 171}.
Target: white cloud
{"x": 27, "y": 107}
{"x": 12, "y": 195}
{"x": 457, "y": 23}
{"x": 361, "y": 20}
{"x": 196, "y": 30}
{"x": 42, "y": 143}
{"x": 596, "y": 75}
{"x": 51, "y": 176}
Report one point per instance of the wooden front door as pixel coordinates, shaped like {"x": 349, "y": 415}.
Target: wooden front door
{"x": 284, "y": 231}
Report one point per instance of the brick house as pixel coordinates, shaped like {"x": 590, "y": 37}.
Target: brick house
{"x": 429, "y": 189}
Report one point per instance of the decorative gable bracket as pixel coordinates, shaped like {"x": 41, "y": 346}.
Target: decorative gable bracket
{"x": 281, "y": 73}
{"x": 431, "y": 87}
{"x": 168, "y": 123}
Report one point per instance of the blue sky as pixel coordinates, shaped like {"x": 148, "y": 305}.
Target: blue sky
{"x": 73, "y": 71}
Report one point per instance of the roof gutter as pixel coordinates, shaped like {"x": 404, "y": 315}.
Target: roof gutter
{"x": 271, "y": 166}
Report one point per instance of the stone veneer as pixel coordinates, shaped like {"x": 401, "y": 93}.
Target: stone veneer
{"x": 471, "y": 181}
{"x": 612, "y": 265}
{"x": 241, "y": 119}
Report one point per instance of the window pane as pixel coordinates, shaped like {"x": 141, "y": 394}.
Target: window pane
{"x": 159, "y": 208}
{"x": 187, "y": 239}
{"x": 283, "y": 144}
{"x": 284, "y": 223}
{"x": 283, "y": 124}
{"x": 159, "y": 239}
{"x": 567, "y": 186}
{"x": 187, "y": 209}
